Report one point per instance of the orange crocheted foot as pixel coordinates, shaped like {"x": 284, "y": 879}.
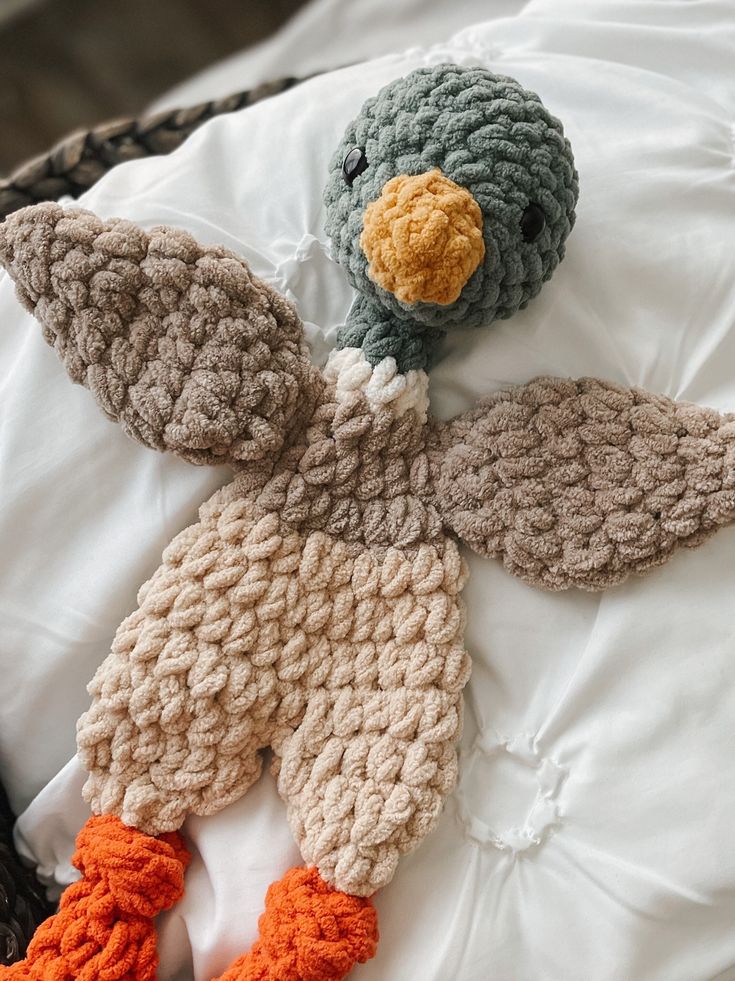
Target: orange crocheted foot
{"x": 104, "y": 928}
{"x": 308, "y": 932}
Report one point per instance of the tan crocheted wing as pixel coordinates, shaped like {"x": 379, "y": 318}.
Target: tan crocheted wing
{"x": 178, "y": 341}
{"x": 581, "y": 483}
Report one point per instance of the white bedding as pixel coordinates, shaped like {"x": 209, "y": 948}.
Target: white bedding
{"x": 591, "y": 834}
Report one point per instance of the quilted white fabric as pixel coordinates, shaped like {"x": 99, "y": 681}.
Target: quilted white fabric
{"x": 591, "y": 833}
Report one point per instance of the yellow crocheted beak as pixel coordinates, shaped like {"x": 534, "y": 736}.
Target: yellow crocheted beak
{"x": 423, "y": 238}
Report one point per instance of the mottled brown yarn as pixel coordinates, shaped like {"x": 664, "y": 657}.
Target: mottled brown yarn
{"x": 581, "y": 483}
{"x": 359, "y": 474}
{"x": 179, "y": 342}
{"x": 315, "y": 607}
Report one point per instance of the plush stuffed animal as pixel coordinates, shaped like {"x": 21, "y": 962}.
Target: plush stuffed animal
{"x": 315, "y": 606}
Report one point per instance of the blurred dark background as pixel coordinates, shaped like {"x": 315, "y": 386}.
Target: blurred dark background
{"x": 66, "y": 64}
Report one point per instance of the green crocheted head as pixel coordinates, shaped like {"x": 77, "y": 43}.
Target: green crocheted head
{"x": 448, "y": 202}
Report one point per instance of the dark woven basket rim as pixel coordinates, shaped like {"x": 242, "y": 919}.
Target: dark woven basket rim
{"x": 23, "y": 903}
{"x": 78, "y": 161}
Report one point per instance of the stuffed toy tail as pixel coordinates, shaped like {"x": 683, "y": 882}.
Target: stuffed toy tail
{"x": 104, "y": 927}
{"x": 308, "y": 932}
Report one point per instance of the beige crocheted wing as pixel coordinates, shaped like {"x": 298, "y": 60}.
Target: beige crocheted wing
{"x": 178, "y": 341}
{"x": 581, "y": 483}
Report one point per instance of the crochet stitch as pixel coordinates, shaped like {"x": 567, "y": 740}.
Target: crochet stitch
{"x": 581, "y": 483}
{"x": 308, "y": 932}
{"x": 315, "y": 606}
{"x": 488, "y": 135}
{"x": 348, "y": 663}
{"x": 177, "y": 341}
{"x": 103, "y": 928}
{"x": 423, "y": 238}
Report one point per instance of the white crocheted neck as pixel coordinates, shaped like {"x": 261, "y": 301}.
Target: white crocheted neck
{"x": 384, "y": 386}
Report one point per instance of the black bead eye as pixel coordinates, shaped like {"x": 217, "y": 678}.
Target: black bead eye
{"x": 533, "y": 223}
{"x": 354, "y": 164}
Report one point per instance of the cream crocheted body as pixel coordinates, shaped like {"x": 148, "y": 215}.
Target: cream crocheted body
{"x": 318, "y": 615}
{"x": 315, "y": 607}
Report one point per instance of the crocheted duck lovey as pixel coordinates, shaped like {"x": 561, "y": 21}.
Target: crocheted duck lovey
{"x": 315, "y": 606}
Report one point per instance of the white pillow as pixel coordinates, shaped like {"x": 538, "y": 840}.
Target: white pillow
{"x": 599, "y": 725}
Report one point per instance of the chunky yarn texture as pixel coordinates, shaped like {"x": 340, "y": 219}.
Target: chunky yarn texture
{"x": 314, "y": 608}
{"x": 581, "y": 483}
{"x": 374, "y": 332}
{"x": 308, "y": 932}
{"x": 263, "y": 628}
{"x": 423, "y": 238}
{"x": 104, "y": 928}
{"x": 177, "y": 341}
{"x": 490, "y": 136}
